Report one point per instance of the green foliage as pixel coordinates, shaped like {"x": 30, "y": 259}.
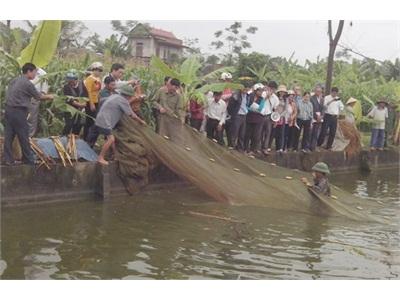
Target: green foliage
{"x": 43, "y": 44}
{"x": 189, "y": 75}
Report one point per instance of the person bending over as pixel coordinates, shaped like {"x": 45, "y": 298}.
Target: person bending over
{"x": 110, "y": 114}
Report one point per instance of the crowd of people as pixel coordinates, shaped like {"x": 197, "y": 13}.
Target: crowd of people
{"x": 264, "y": 115}
{"x": 254, "y": 120}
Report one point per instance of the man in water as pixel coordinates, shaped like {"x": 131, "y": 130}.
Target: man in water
{"x": 321, "y": 183}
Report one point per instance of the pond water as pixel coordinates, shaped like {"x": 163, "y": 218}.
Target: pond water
{"x": 162, "y": 236}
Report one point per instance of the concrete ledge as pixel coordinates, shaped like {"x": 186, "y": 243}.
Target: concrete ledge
{"x": 24, "y": 185}
{"x": 337, "y": 161}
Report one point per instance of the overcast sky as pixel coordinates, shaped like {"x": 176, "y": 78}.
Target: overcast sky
{"x": 308, "y": 39}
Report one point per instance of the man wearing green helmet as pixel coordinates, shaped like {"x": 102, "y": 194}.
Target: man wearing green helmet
{"x": 321, "y": 183}
{"x": 74, "y": 89}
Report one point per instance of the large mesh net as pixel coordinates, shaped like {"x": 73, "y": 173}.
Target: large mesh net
{"x": 225, "y": 175}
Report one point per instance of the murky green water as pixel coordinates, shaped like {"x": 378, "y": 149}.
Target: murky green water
{"x": 158, "y": 237}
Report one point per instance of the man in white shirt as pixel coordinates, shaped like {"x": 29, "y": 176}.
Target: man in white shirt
{"x": 216, "y": 116}
{"x": 117, "y": 72}
{"x": 271, "y": 103}
{"x": 332, "y": 107}
{"x": 378, "y": 114}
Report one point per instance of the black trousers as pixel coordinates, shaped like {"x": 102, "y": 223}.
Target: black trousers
{"x": 315, "y": 131}
{"x": 16, "y": 124}
{"x": 330, "y": 123}
{"x": 196, "y": 123}
{"x": 238, "y": 131}
{"x": 228, "y": 132}
{"x": 212, "y": 132}
{"x": 89, "y": 121}
{"x": 305, "y": 126}
{"x": 290, "y": 132}
{"x": 73, "y": 124}
{"x": 253, "y": 136}
{"x": 279, "y": 134}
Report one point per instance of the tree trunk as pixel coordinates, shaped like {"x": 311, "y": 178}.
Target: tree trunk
{"x": 333, "y": 41}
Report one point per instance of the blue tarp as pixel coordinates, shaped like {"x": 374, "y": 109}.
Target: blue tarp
{"x": 82, "y": 148}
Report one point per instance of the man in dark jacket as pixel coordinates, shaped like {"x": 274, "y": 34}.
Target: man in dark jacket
{"x": 317, "y": 101}
{"x": 237, "y": 109}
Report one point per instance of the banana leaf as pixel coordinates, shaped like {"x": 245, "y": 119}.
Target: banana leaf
{"x": 43, "y": 44}
{"x": 357, "y": 111}
{"x": 215, "y": 74}
{"x": 60, "y": 104}
{"x": 157, "y": 63}
{"x": 219, "y": 87}
{"x": 189, "y": 69}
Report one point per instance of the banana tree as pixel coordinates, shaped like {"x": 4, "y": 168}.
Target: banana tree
{"x": 40, "y": 52}
{"x": 188, "y": 75}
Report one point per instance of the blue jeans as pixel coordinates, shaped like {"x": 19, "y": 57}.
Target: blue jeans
{"x": 377, "y": 138}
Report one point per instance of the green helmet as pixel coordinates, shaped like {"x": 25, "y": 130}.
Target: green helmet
{"x": 72, "y": 74}
{"x": 127, "y": 90}
{"x": 321, "y": 167}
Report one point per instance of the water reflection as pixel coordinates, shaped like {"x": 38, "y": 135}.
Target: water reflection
{"x": 156, "y": 237}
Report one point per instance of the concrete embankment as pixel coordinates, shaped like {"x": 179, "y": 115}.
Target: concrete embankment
{"x": 23, "y": 185}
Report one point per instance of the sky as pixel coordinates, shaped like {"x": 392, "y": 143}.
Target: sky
{"x": 307, "y": 39}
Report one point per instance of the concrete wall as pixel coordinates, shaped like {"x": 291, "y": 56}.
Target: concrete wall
{"x": 148, "y": 46}
{"x": 23, "y": 185}
{"x": 337, "y": 161}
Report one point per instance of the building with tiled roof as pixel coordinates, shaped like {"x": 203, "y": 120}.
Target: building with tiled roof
{"x": 147, "y": 41}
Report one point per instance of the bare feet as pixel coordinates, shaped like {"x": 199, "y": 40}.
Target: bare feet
{"x": 102, "y": 161}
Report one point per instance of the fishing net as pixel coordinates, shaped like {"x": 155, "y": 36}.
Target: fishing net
{"x": 350, "y": 133}
{"x": 225, "y": 175}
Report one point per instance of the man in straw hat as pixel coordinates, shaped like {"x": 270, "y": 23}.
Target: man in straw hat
{"x": 109, "y": 115}
{"x": 378, "y": 114}
{"x": 349, "y": 110}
